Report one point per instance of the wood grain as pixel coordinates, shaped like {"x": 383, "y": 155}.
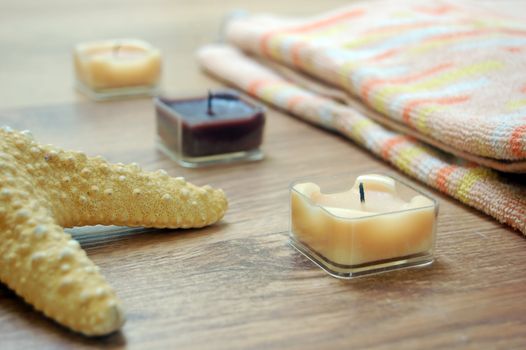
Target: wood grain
{"x": 238, "y": 284}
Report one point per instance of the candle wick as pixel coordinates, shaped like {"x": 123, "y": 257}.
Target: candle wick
{"x": 116, "y": 49}
{"x": 362, "y": 193}
{"x": 210, "y": 110}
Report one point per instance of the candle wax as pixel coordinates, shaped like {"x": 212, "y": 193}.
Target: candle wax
{"x": 186, "y": 127}
{"x": 115, "y": 64}
{"x": 380, "y": 198}
{"x": 344, "y": 230}
{"x": 196, "y": 111}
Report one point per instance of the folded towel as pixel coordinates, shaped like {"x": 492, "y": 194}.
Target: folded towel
{"x": 423, "y": 98}
{"x": 453, "y": 75}
{"x": 482, "y": 188}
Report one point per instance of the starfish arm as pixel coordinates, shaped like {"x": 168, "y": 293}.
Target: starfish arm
{"x": 43, "y": 189}
{"x": 42, "y": 264}
{"x": 85, "y": 190}
{"x": 92, "y": 191}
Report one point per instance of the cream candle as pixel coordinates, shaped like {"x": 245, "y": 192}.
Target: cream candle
{"x": 378, "y": 224}
{"x": 117, "y": 67}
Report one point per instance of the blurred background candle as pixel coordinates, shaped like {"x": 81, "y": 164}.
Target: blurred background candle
{"x": 117, "y": 67}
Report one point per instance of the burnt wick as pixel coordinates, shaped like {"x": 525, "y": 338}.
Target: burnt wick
{"x": 362, "y": 192}
{"x": 116, "y": 49}
{"x": 210, "y": 110}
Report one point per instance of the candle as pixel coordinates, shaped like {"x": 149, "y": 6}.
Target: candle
{"x": 377, "y": 225}
{"x": 218, "y": 128}
{"x": 117, "y": 67}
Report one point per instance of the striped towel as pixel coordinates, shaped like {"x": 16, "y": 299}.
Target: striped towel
{"x": 437, "y": 90}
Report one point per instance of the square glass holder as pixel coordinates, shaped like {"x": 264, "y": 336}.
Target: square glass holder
{"x": 116, "y": 93}
{"x": 117, "y": 69}
{"x": 222, "y": 143}
{"x": 347, "y": 247}
{"x": 204, "y": 161}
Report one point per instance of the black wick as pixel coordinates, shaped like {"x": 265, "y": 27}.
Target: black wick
{"x": 209, "y": 109}
{"x": 362, "y": 193}
{"x": 116, "y": 49}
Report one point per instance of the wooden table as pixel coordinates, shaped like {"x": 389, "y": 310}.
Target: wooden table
{"x": 238, "y": 284}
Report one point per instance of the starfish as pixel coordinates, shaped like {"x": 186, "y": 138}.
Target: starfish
{"x": 44, "y": 189}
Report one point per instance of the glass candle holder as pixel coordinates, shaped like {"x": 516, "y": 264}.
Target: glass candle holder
{"x": 219, "y": 128}
{"x": 353, "y": 226}
{"x": 117, "y": 68}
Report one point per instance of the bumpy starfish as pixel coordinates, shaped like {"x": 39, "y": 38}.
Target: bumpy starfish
{"x": 43, "y": 189}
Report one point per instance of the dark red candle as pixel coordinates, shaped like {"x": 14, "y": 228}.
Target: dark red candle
{"x": 220, "y": 127}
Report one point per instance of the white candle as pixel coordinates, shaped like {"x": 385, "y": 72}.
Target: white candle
{"x": 112, "y": 64}
{"x": 341, "y": 229}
